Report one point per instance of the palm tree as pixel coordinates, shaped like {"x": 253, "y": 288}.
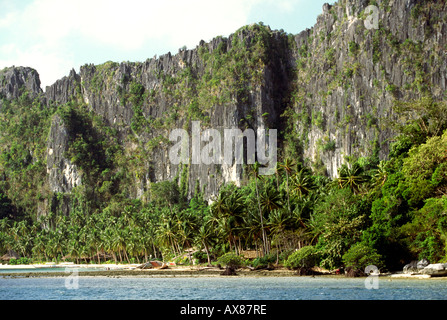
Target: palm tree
{"x": 39, "y": 245}
{"x": 277, "y": 222}
{"x": 380, "y": 175}
{"x": 351, "y": 177}
{"x": 52, "y": 245}
{"x": 253, "y": 228}
{"x": 303, "y": 210}
{"x": 184, "y": 226}
{"x": 134, "y": 244}
{"x": 204, "y": 238}
{"x": 73, "y": 250}
{"x": 270, "y": 200}
{"x": 255, "y": 171}
{"x": 227, "y": 212}
{"x": 301, "y": 184}
{"x": 166, "y": 233}
{"x": 108, "y": 239}
{"x": 287, "y": 166}
{"x": 235, "y": 210}
{"x": 149, "y": 238}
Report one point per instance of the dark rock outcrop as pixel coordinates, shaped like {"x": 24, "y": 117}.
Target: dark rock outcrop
{"x": 64, "y": 90}
{"x": 63, "y": 176}
{"x": 15, "y": 81}
{"x": 435, "y": 270}
{"x": 415, "y": 266}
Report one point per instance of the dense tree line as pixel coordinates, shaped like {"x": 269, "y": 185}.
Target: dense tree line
{"x": 376, "y": 212}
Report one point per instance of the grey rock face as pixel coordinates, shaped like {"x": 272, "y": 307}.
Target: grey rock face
{"x": 63, "y": 176}
{"x": 410, "y": 268}
{"x": 15, "y": 80}
{"x": 349, "y": 77}
{"x": 437, "y": 269}
{"x": 64, "y": 90}
{"x": 415, "y": 266}
{"x": 422, "y": 264}
{"x": 339, "y": 78}
{"x": 103, "y": 87}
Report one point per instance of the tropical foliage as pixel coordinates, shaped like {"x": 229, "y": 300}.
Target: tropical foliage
{"x": 376, "y": 212}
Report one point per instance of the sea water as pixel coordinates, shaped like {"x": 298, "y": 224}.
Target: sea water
{"x": 220, "y": 288}
{"x": 47, "y": 269}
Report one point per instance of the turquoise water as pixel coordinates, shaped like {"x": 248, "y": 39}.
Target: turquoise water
{"x": 47, "y": 269}
{"x": 220, "y": 288}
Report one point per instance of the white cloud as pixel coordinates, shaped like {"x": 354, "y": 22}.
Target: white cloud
{"x": 177, "y": 21}
{"x": 46, "y": 29}
{"x": 132, "y": 23}
{"x": 50, "y": 64}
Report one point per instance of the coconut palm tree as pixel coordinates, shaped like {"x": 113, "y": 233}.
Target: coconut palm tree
{"x": 166, "y": 233}
{"x": 39, "y": 245}
{"x": 270, "y": 200}
{"x": 253, "y": 228}
{"x": 73, "y": 250}
{"x": 108, "y": 239}
{"x": 227, "y": 213}
{"x": 351, "y": 177}
{"x": 134, "y": 246}
{"x": 204, "y": 239}
{"x": 380, "y": 175}
{"x": 235, "y": 210}
{"x": 255, "y": 172}
{"x": 288, "y": 166}
{"x": 278, "y": 221}
{"x": 270, "y": 203}
{"x": 301, "y": 184}
{"x": 303, "y": 210}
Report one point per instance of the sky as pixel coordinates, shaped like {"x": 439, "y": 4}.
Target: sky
{"x": 55, "y": 36}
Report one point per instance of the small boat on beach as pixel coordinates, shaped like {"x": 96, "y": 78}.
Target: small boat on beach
{"x": 156, "y": 264}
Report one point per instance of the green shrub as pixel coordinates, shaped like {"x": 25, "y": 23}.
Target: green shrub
{"x": 264, "y": 261}
{"x": 19, "y": 261}
{"x": 329, "y": 146}
{"x": 306, "y": 257}
{"x": 200, "y": 256}
{"x": 231, "y": 260}
{"x": 360, "y": 255}
{"x": 392, "y": 89}
{"x": 353, "y": 48}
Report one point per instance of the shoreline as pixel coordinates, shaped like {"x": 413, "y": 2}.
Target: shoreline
{"x": 132, "y": 270}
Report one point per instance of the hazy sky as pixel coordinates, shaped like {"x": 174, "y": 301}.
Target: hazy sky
{"x": 54, "y": 36}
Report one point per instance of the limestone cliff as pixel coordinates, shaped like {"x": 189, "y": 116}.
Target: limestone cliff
{"x": 329, "y": 90}
{"x": 349, "y": 76}
{"x": 175, "y": 90}
{"x": 16, "y": 80}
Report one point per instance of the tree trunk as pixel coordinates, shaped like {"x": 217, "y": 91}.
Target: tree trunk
{"x": 207, "y": 253}
{"x": 127, "y": 257}
{"x": 288, "y": 191}
{"x": 260, "y": 215}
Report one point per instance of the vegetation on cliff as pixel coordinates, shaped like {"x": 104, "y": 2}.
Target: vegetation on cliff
{"x": 332, "y": 91}
{"x": 386, "y": 212}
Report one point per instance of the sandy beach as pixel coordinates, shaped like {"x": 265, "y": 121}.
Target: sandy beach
{"x": 133, "y": 270}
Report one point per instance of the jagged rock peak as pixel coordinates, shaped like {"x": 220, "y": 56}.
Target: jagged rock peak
{"x": 65, "y": 89}
{"x": 14, "y": 81}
